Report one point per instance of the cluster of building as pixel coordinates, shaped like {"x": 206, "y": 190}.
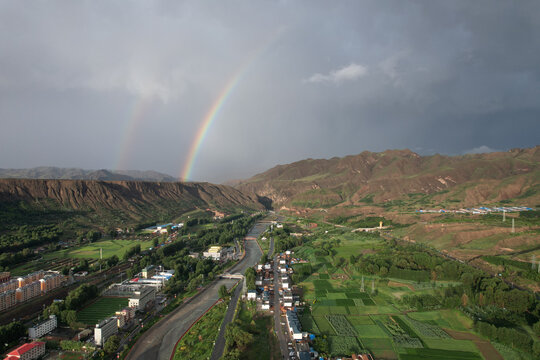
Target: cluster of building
{"x": 15, "y": 291}
{"x": 141, "y": 298}
{"x": 289, "y": 302}
{"x": 219, "y": 253}
{"x": 154, "y": 276}
{"x": 264, "y": 281}
{"x": 141, "y": 292}
{"x": 162, "y": 229}
{"x": 480, "y": 210}
{"x": 28, "y": 351}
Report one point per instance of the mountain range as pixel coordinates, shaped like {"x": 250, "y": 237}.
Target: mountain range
{"x": 132, "y": 201}
{"x": 47, "y": 172}
{"x": 403, "y": 178}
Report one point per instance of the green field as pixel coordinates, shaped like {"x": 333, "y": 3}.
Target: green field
{"x": 372, "y": 317}
{"x": 91, "y": 251}
{"x": 101, "y": 309}
{"x": 198, "y": 342}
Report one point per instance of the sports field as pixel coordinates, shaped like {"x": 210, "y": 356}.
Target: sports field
{"x": 91, "y": 251}
{"x": 101, "y": 309}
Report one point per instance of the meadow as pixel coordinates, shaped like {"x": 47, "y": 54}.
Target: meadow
{"x": 102, "y": 308}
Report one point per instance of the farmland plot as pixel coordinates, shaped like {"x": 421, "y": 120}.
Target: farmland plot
{"x": 341, "y": 325}
{"x": 344, "y": 345}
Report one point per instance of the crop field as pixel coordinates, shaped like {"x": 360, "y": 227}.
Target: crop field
{"x": 344, "y": 345}
{"x": 355, "y": 310}
{"x": 92, "y": 251}
{"x": 439, "y": 354}
{"x": 341, "y": 325}
{"x": 101, "y": 309}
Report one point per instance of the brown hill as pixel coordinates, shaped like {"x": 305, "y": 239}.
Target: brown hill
{"x": 48, "y": 172}
{"x": 402, "y": 177}
{"x": 127, "y": 199}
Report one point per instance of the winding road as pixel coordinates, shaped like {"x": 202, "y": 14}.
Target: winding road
{"x": 159, "y": 342}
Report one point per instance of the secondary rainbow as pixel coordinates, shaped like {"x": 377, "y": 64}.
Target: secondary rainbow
{"x": 133, "y": 123}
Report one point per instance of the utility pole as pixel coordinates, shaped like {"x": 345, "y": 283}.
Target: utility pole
{"x": 362, "y": 288}
{"x": 513, "y": 226}
{"x": 504, "y": 215}
{"x": 372, "y": 286}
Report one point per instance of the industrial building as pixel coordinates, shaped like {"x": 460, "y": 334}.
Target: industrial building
{"x": 43, "y": 328}
{"x": 104, "y": 330}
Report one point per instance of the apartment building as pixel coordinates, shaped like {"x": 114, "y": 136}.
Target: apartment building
{"x": 43, "y": 328}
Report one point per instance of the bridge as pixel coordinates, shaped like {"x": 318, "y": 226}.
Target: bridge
{"x": 232, "y": 276}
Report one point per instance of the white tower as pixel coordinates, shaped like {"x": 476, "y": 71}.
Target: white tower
{"x": 513, "y": 226}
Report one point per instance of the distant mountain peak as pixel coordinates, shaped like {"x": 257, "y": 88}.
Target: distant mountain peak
{"x": 56, "y": 173}
{"x": 465, "y": 180}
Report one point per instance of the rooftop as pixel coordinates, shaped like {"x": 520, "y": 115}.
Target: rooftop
{"x": 25, "y": 348}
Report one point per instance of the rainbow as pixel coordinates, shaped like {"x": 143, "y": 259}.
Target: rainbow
{"x": 207, "y": 122}
{"x": 218, "y": 104}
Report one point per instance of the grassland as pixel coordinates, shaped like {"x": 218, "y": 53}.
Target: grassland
{"x": 102, "y": 308}
{"x": 92, "y": 251}
{"x": 198, "y": 342}
{"x": 370, "y": 317}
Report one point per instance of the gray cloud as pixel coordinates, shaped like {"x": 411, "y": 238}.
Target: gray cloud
{"x": 347, "y": 73}
{"x": 480, "y": 150}
{"x": 116, "y": 84}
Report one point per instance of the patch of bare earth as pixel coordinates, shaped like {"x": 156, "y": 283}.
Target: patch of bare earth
{"x": 398, "y": 284}
{"x": 485, "y": 347}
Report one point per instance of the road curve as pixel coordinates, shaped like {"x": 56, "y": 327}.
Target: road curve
{"x": 159, "y": 342}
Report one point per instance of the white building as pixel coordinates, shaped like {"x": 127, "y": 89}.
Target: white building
{"x": 45, "y": 327}
{"x": 141, "y": 297}
{"x": 104, "y": 330}
{"x": 251, "y": 295}
{"x": 214, "y": 252}
{"x": 294, "y": 326}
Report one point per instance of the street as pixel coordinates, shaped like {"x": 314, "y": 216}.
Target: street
{"x": 278, "y": 318}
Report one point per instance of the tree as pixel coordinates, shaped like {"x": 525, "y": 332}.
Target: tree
{"x": 223, "y": 293}
{"x": 464, "y": 299}
{"x": 250, "y": 278}
{"x": 536, "y": 328}
{"x": 536, "y": 348}
{"x": 111, "y": 345}
{"x": 156, "y": 242}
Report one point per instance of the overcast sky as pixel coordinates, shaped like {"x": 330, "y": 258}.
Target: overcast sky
{"x": 127, "y": 84}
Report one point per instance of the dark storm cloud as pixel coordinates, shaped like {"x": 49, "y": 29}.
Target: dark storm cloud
{"x": 327, "y": 79}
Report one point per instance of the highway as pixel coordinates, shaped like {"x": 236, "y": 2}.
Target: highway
{"x": 159, "y": 342}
